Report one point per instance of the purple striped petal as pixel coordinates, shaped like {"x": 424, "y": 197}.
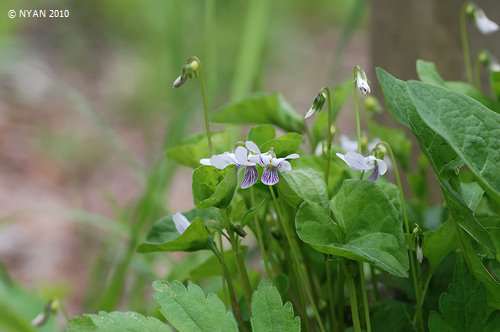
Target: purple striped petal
{"x": 270, "y": 176}
{"x": 374, "y": 176}
{"x": 250, "y": 177}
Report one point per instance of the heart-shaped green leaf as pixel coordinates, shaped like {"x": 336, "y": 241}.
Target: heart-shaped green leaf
{"x": 470, "y": 128}
{"x": 368, "y": 227}
{"x": 442, "y": 158}
{"x": 260, "y": 108}
{"x": 261, "y": 134}
{"x": 213, "y": 187}
{"x": 283, "y": 145}
{"x": 165, "y": 237}
{"x": 303, "y": 184}
{"x": 195, "y": 148}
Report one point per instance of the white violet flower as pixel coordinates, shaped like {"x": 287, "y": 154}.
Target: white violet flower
{"x": 358, "y": 162}
{"x": 270, "y": 163}
{"x": 362, "y": 81}
{"x": 240, "y": 158}
{"x": 181, "y": 222}
{"x": 483, "y": 23}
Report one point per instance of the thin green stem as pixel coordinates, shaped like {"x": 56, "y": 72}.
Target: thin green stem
{"x": 260, "y": 239}
{"x": 232, "y": 294}
{"x": 328, "y": 135}
{"x": 358, "y": 122}
{"x": 462, "y": 246}
{"x": 477, "y": 72}
{"x": 238, "y": 257}
{"x": 221, "y": 245}
{"x": 295, "y": 257}
{"x": 352, "y": 297}
{"x": 376, "y": 294}
{"x": 341, "y": 299}
{"x": 465, "y": 42}
{"x": 331, "y": 304}
{"x": 407, "y": 225}
{"x": 365, "y": 297}
{"x": 204, "y": 98}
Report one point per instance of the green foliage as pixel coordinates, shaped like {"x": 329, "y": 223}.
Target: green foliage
{"x": 165, "y": 237}
{"x": 283, "y": 145}
{"x": 470, "y": 128}
{"x": 427, "y": 73}
{"x": 259, "y": 108}
{"x": 367, "y": 227}
{"x": 18, "y": 308}
{"x": 464, "y": 307}
{"x": 268, "y": 312}
{"x": 303, "y": 184}
{"x": 116, "y": 322}
{"x": 213, "y": 187}
{"x": 440, "y": 243}
{"x": 194, "y": 148}
{"x": 189, "y": 310}
{"x": 495, "y": 84}
{"x": 261, "y": 134}
{"x": 393, "y": 316}
{"x": 441, "y": 156}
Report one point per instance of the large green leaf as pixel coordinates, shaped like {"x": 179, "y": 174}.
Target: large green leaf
{"x": 195, "y": 148}
{"x": 165, "y": 237}
{"x": 189, "y": 310}
{"x": 213, "y": 187}
{"x": 368, "y": 227}
{"x": 442, "y": 158}
{"x": 470, "y": 128}
{"x": 438, "y": 244}
{"x": 427, "y": 73}
{"x": 464, "y": 307}
{"x": 260, "y": 108}
{"x": 116, "y": 322}
{"x": 283, "y": 145}
{"x": 268, "y": 312}
{"x": 261, "y": 134}
{"x": 303, "y": 184}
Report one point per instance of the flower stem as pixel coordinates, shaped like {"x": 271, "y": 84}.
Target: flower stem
{"x": 376, "y": 294}
{"x": 232, "y": 294}
{"x": 358, "y": 122}
{"x": 352, "y": 297}
{"x": 328, "y": 135}
{"x": 365, "y": 298}
{"x": 260, "y": 237}
{"x": 331, "y": 304}
{"x": 295, "y": 257}
{"x": 240, "y": 263}
{"x": 465, "y": 42}
{"x": 407, "y": 229}
{"x": 204, "y": 98}
{"x": 477, "y": 72}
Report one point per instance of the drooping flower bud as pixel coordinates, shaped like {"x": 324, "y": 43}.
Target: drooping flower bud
{"x": 489, "y": 61}
{"x": 362, "y": 81}
{"x": 483, "y": 23}
{"x": 317, "y": 105}
{"x": 418, "y": 238}
{"x": 189, "y": 70}
{"x": 50, "y": 308}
